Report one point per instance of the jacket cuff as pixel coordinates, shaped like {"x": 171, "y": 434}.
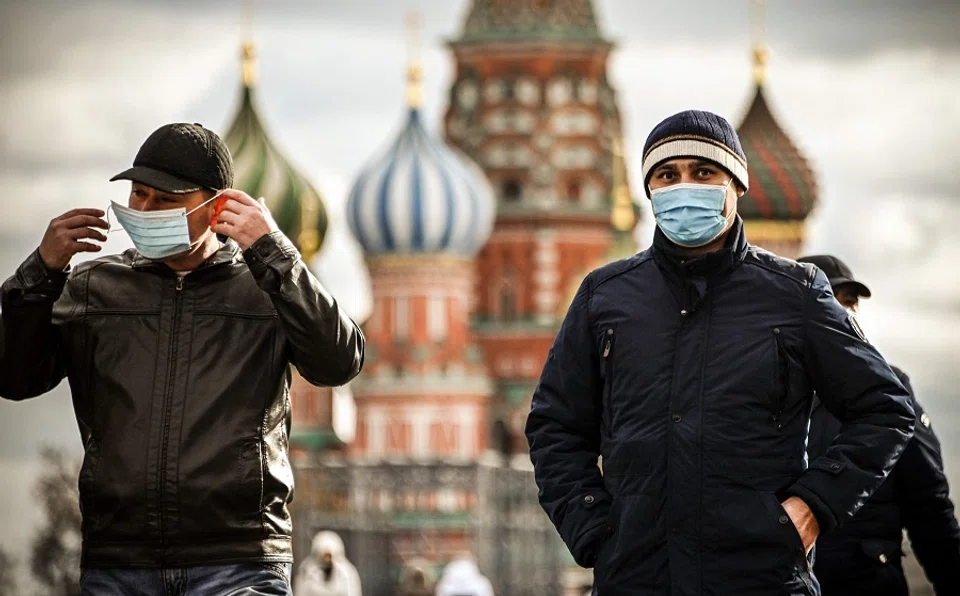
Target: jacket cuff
{"x": 270, "y": 259}
{"x": 825, "y": 517}
{"x": 34, "y": 282}
{"x": 585, "y": 525}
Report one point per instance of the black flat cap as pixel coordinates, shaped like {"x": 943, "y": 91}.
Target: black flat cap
{"x": 180, "y": 158}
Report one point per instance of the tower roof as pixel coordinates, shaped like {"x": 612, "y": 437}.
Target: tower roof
{"x": 262, "y": 171}
{"x": 420, "y": 196}
{"x": 531, "y": 20}
{"x": 782, "y": 185}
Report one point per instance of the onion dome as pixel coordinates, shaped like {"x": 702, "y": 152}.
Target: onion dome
{"x": 420, "y": 196}
{"x": 782, "y": 185}
{"x": 525, "y": 20}
{"x": 262, "y": 171}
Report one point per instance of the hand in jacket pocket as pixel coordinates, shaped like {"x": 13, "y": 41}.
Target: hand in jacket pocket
{"x": 803, "y": 520}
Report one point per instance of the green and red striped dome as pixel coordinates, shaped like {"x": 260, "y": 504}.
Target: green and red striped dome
{"x": 782, "y": 185}
{"x": 262, "y": 171}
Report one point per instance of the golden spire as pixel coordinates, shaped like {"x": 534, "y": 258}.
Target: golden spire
{"x": 761, "y": 52}
{"x": 309, "y": 238}
{"x": 248, "y": 53}
{"x": 622, "y": 216}
{"x": 414, "y": 69}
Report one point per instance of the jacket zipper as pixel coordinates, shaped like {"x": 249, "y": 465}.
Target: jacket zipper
{"x": 608, "y": 366}
{"x": 780, "y": 388}
{"x": 168, "y": 395}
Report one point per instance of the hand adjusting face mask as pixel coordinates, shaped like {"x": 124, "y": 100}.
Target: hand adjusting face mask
{"x": 158, "y": 234}
{"x": 690, "y": 214}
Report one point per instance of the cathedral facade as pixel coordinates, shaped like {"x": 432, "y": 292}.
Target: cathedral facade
{"x": 476, "y": 239}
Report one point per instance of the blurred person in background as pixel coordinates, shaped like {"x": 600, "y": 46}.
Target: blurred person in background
{"x": 690, "y": 368}
{"x": 461, "y": 577}
{"x": 327, "y": 572}
{"x": 415, "y": 580}
{"x": 177, "y": 353}
{"x": 864, "y": 557}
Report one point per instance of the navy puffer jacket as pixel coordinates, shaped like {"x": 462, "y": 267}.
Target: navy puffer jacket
{"x": 693, "y": 379}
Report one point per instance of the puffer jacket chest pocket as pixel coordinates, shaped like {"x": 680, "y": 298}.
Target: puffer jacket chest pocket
{"x": 790, "y": 388}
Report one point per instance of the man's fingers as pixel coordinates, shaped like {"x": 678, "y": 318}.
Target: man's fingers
{"x": 237, "y": 207}
{"x": 86, "y": 247}
{"x": 78, "y": 233}
{"x": 238, "y": 196}
{"x": 229, "y": 217}
{"x": 225, "y": 229}
{"x": 82, "y": 211}
{"x": 84, "y": 221}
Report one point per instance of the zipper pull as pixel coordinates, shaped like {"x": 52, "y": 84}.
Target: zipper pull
{"x": 609, "y": 344}
{"x": 179, "y": 282}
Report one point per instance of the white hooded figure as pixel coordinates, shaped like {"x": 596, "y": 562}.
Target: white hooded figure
{"x": 462, "y": 578}
{"x": 327, "y": 572}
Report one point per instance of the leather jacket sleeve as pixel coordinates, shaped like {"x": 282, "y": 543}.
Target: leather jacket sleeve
{"x": 563, "y": 430}
{"x": 928, "y": 513}
{"x": 858, "y": 387}
{"x": 325, "y": 345}
{"x": 31, "y": 362}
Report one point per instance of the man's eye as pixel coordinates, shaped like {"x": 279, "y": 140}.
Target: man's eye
{"x": 704, "y": 173}
{"x": 665, "y": 175}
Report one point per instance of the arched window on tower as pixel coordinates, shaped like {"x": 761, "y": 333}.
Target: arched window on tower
{"x": 437, "y": 318}
{"x": 511, "y": 190}
{"x": 401, "y": 319}
{"x": 507, "y": 303}
{"x": 573, "y": 192}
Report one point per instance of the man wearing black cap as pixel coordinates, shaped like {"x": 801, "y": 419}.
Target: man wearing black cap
{"x": 178, "y": 354}
{"x": 863, "y": 557}
{"x": 690, "y": 368}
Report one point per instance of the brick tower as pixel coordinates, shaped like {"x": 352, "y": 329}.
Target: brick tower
{"x": 532, "y": 104}
{"x": 420, "y": 212}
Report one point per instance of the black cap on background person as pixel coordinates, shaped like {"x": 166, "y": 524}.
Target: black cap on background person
{"x": 846, "y": 287}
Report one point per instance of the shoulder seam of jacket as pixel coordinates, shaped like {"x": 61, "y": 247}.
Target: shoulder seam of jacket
{"x": 807, "y": 283}
{"x": 638, "y": 259}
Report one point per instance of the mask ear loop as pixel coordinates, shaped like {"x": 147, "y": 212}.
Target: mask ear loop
{"x": 110, "y": 227}
{"x": 219, "y": 192}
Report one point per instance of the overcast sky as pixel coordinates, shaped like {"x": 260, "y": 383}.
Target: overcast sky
{"x": 867, "y": 88}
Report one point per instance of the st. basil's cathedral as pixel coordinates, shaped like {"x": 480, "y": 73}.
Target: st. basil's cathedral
{"x": 475, "y": 244}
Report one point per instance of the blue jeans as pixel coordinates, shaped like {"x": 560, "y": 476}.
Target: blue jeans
{"x": 240, "y": 579}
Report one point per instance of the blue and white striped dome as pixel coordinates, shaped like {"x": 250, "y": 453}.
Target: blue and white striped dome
{"x": 421, "y": 197}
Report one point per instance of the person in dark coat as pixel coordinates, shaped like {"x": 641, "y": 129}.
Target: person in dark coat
{"x": 863, "y": 557}
{"x": 690, "y": 368}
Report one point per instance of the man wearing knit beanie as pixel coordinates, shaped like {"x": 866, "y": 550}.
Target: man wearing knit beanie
{"x": 691, "y": 368}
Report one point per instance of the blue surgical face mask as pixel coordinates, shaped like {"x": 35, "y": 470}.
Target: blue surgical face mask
{"x": 158, "y": 234}
{"x": 689, "y": 214}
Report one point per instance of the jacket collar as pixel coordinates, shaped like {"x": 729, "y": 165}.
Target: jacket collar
{"x": 678, "y": 266}
{"x": 229, "y": 252}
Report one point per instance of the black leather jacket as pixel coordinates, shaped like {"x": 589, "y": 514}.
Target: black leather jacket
{"x": 181, "y": 392}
